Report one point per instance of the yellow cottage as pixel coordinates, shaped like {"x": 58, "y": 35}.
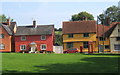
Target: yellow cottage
{"x": 86, "y": 35}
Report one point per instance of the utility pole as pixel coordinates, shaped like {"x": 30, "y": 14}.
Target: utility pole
{"x": 97, "y": 34}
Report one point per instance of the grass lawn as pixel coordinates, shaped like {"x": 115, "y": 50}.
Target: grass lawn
{"x": 59, "y": 63}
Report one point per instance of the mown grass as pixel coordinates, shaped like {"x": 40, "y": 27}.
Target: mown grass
{"x": 59, "y": 63}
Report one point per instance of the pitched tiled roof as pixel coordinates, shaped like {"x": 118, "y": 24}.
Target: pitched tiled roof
{"x": 9, "y": 28}
{"x": 39, "y": 30}
{"x": 6, "y": 27}
{"x": 102, "y": 29}
{"x": 107, "y": 29}
{"x": 79, "y": 27}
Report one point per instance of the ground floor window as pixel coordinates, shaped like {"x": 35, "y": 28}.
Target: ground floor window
{"x": 85, "y": 44}
{"x": 43, "y": 47}
{"x": 69, "y": 45}
{"x": 116, "y": 46}
{"x": 107, "y": 46}
{"x": 2, "y": 46}
{"x": 22, "y": 47}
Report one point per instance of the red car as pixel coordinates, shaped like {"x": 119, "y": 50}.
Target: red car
{"x": 72, "y": 50}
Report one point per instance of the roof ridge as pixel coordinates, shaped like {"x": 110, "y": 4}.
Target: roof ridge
{"x": 82, "y": 21}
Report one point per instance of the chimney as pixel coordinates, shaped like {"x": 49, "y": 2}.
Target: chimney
{"x": 34, "y": 24}
{"x": 8, "y": 21}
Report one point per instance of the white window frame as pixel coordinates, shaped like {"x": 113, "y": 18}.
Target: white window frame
{"x": 2, "y": 46}
{"x": 22, "y": 38}
{"x": 42, "y": 38}
{"x": 42, "y": 45}
{"x": 1, "y": 36}
{"x": 115, "y": 49}
{"x": 21, "y": 47}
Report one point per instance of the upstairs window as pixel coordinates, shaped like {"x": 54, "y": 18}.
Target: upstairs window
{"x": 107, "y": 46}
{"x": 86, "y": 35}
{"x": 2, "y": 46}
{"x": 102, "y": 39}
{"x": 118, "y": 38}
{"x": 1, "y": 35}
{"x": 23, "y": 38}
{"x": 22, "y": 47}
{"x": 43, "y": 37}
{"x": 70, "y": 35}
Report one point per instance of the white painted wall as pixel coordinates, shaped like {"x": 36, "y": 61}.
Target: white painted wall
{"x": 58, "y": 49}
{"x": 113, "y": 36}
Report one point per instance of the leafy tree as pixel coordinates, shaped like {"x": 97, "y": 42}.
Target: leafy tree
{"x": 4, "y": 18}
{"x": 82, "y": 16}
{"x": 58, "y": 37}
{"x": 60, "y": 29}
{"x": 112, "y": 14}
{"x": 55, "y": 29}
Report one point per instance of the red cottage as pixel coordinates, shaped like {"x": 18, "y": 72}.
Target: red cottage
{"x": 34, "y": 38}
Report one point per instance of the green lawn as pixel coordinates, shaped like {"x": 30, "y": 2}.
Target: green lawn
{"x": 59, "y": 63}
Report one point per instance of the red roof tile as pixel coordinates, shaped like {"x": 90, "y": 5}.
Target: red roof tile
{"x": 79, "y": 27}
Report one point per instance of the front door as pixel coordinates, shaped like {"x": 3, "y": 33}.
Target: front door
{"x": 101, "y": 48}
{"x": 33, "y": 48}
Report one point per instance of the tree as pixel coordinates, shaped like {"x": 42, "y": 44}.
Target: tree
{"x": 4, "y": 18}
{"x": 60, "y": 29}
{"x": 82, "y": 16}
{"x": 112, "y": 14}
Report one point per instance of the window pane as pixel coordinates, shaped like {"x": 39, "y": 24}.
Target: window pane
{"x": 85, "y": 44}
{"x": 23, "y": 47}
{"x": 23, "y": 37}
{"x": 86, "y": 35}
{"x": 107, "y": 47}
{"x": 43, "y": 47}
{"x": 117, "y": 38}
{"x": 69, "y": 45}
{"x": 102, "y": 39}
{"x": 117, "y": 46}
{"x": 70, "y": 35}
{"x": 2, "y": 46}
{"x": 43, "y": 37}
{"x": 1, "y": 35}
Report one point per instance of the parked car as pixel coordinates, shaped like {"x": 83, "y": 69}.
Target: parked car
{"x": 72, "y": 50}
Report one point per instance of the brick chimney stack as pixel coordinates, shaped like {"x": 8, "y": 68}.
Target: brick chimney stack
{"x": 8, "y": 21}
{"x": 34, "y": 24}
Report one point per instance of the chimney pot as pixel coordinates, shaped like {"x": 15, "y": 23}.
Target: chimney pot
{"x": 8, "y": 21}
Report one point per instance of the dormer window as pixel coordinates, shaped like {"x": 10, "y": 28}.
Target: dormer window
{"x": 43, "y": 37}
{"x": 23, "y": 38}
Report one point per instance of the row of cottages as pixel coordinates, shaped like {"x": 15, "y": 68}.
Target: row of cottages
{"x": 7, "y": 31}
{"x": 89, "y": 37}
{"x": 30, "y": 38}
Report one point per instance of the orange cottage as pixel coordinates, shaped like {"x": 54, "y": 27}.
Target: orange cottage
{"x": 7, "y": 36}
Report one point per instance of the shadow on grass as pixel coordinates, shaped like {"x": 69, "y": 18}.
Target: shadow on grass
{"x": 109, "y": 54}
{"x": 84, "y": 66}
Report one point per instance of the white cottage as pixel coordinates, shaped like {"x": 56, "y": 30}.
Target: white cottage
{"x": 115, "y": 39}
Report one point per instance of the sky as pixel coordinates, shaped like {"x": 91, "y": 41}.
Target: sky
{"x": 47, "y": 13}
